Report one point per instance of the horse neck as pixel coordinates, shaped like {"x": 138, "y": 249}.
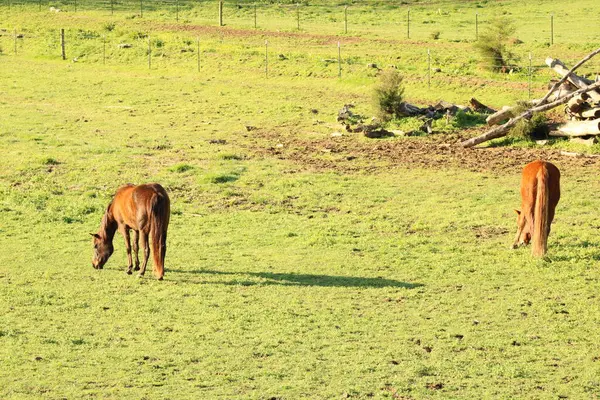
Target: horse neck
{"x": 109, "y": 225}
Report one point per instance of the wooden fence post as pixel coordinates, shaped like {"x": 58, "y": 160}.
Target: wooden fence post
{"x": 266, "y": 58}
{"x": 551, "y": 29}
{"x": 345, "y": 19}
{"x": 408, "y": 24}
{"x": 62, "y": 44}
{"x": 149, "y": 53}
{"x": 339, "y": 60}
{"x": 220, "y": 12}
{"x": 198, "y": 51}
{"x": 428, "y": 69}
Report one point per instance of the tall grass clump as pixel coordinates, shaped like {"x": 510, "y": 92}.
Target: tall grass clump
{"x": 389, "y": 95}
{"x": 493, "y": 45}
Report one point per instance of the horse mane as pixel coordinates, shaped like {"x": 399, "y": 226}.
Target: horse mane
{"x": 108, "y": 226}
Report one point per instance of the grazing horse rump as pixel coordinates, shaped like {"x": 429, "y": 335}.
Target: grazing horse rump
{"x": 540, "y": 193}
{"x": 145, "y": 209}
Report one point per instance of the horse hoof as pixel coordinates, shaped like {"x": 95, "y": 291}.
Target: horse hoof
{"x": 128, "y": 272}
{"x": 160, "y": 278}
{"x": 136, "y": 269}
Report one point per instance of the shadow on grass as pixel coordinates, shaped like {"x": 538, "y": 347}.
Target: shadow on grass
{"x": 573, "y": 251}
{"x": 290, "y": 279}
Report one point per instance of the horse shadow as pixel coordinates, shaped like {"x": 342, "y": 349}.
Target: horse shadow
{"x": 293, "y": 279}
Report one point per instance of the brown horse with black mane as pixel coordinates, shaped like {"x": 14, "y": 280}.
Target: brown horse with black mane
{"x": 540, "y": 192}
{"x": 145, "y": 209}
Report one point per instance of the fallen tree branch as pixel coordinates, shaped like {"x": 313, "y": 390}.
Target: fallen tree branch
{"x": 480, "y": 107}
{"x": 568, "y": 74}
{"x": 502, "y": 130}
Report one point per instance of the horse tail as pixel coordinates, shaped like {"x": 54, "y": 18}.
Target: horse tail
{"x": 160, "y": 210}
{"x": 540, "y": 217}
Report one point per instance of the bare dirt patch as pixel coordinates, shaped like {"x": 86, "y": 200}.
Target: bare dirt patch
{"x": 246, "y": 33}
{"x": 350, "y": 153}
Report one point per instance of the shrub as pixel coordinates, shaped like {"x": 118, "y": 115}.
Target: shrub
{"x": 493, "y": 45}
{"x": 109, "y": 26}
{"x": 389, "y": 94}
{"x": 534, "y": 128}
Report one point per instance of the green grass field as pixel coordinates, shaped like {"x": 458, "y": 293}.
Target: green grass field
{"x": 299, "y": 265}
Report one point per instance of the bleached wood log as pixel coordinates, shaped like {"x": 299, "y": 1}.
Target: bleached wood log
{"x": 506, "y": 113}
{"x": 502, "y": 130}
{"x": 580, "y": 128}
{"x": 499, "y": 116}
{"x": 576, "y": 80}
{"x": 577, "y": 103}
{"x": 591, "y": 113}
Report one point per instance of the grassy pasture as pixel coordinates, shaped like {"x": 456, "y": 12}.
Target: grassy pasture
{"x": 365, "y": 279}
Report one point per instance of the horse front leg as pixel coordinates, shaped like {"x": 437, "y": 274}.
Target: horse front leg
{"x": 136, "y": 249}
{"x": 125, "y": 233}
{"x": 146, "y": 246}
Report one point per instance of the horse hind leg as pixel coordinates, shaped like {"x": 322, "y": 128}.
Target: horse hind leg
{"x": 125, "y": 233}
{"x": 146, "y": 246}
{"x": 136, "y": 249}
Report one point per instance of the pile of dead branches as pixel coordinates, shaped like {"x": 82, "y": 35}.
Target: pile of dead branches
{"x": 374, "y": 128}
{"x": 581, "y": 96}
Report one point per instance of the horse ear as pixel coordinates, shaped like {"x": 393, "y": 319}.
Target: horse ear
{"x": 518, "y": 211}
{"x": 95, "y": 235}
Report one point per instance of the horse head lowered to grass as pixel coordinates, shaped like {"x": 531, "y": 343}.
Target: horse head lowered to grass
{"x": 540, "y": 192}
{"x": 145, "y": 209}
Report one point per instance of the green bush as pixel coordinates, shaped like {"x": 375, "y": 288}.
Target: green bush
{"x": 534, "y": 128}
{"x": 493, "y": 45}
{"x": 389, "y": 95}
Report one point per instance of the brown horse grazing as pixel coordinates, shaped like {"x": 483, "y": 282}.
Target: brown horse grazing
{"x": 146, "y": 210}
{"x": 540, "y": 192}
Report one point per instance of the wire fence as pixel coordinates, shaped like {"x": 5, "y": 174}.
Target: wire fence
{"x": 410, "y": 20}
{"x": 434, "y": 67}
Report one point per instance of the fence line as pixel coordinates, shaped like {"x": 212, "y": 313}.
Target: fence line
{"x": 318, "y": 57}
{"x": 398, "y": 20}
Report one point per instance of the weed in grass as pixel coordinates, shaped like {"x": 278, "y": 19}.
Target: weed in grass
{"x": 180, "y": 168}
{"x": 230, "y": 156}
{"x": 50, "y": 161}
{"x": 109, "y": 26}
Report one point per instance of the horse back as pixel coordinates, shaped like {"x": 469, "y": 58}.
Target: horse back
{"x": 135, "y": 206}
{"x": 529, "y": 182}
